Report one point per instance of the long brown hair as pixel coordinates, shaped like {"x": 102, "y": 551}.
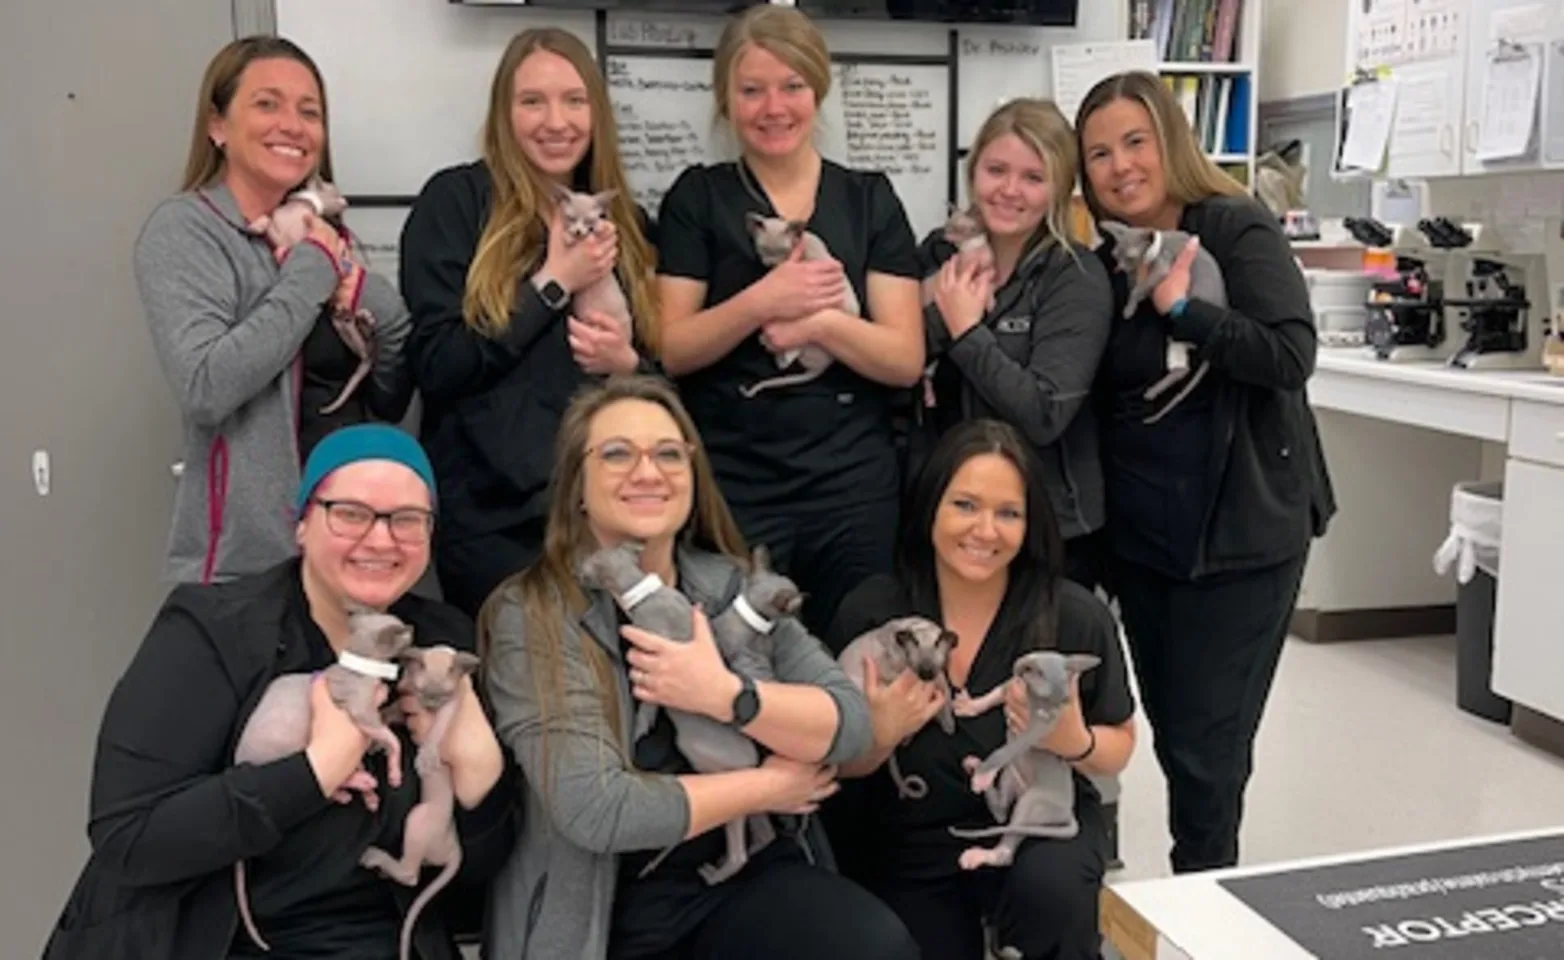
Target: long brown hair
{"x": 1038, "y": 124}
{"x": 513, "y": 241}
{"x": 550, "y": 594}
{"x": 204, "y": 163}
{"x": 1189, "y": 174}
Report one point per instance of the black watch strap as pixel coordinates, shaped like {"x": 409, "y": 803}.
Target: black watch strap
{"x": 746, "y": 703}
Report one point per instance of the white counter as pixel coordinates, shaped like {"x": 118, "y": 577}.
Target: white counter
{"x": 1386, "y": 478}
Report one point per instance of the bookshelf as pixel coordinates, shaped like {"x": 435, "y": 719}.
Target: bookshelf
{"x": 1210, "y": 59}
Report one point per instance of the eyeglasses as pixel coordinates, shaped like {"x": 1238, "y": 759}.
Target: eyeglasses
{"x": 349, "y": 518}
{"x": 618, "y": 456}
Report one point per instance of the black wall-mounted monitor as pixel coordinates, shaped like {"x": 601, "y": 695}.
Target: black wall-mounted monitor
{"x": 1040, "y": 13}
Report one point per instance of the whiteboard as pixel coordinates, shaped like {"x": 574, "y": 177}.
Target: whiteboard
{"x": 663, "y": 108}
{"x": 897, "y": 120}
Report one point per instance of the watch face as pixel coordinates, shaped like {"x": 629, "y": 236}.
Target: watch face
{"x": 746, "y": 705}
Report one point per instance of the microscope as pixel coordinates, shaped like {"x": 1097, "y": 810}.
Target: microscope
{"x": 1406, "y": 305}
{"x": 1502, "y": 322}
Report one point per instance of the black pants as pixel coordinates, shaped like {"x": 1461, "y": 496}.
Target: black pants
{"x": 794, "y": 911}
{"x": 470, "y": 569}
{"x": 1205, "y": 653}
{"x": 827, "y": 550}
{"x": 1044, "y": 904}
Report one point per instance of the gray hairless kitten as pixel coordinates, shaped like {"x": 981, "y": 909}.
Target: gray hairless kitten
{"x": 775, "y": 240}
{"x": 743, "y": 631}
{"x": 434, "y": 676}
{"x": 280, "y": 723}
{"x": 905, "y": 643}
{"x": 1036, "y": 790}
{"x": 1154, "y": 250}
{"x": 710, "y": 746}
{"x": 286, "y": 227}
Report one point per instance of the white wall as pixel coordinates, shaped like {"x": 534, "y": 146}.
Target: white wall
{"x": 1302, "y": 53}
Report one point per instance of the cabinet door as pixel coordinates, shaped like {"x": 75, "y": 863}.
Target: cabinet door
{"x": 1430, "y": 117}
{"x": 1528, "y": 657}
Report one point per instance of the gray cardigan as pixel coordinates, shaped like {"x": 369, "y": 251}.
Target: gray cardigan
{"x": 228, "y": 324}
{"x": 554, "y": 898}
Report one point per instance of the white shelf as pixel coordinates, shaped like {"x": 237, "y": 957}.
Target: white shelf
{"x": 1187, "y": 67}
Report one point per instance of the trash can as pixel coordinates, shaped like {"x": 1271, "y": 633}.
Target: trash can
{"x": 1472, "y": 548}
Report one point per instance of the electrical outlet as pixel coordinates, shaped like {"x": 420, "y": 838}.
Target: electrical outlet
{"x": 41, "y": 472}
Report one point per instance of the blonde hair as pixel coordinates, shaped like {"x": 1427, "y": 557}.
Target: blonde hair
{"x": 1188, "y": 173}
{"x": 1045, "y": 131}
{"x": 551, "y": 595}
{"x": 783, "y": 32}
{"x": 205, "y": 162}
{"x": 513, "y": 242}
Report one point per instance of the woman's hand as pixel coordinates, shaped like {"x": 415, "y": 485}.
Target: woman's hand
{"x": 1175, "y": 286}
{"x": 1069, "y": 736}
{"x": 780, "y": 336}
{"x": 336, "y": 745}
{"x": 685, "y": 676}
{"x": 599, "y": 344}
{"x": 470, "y": 747}
{"x": 584, "y": 263}
{"x": 901, "y": 708}
{"x": 963, "y": 295}
{"x": 797, "y": 288}
{"x": 799, "y": 788}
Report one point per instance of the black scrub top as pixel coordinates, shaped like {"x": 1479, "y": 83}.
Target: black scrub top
{"x": 913, "y": 839}
{"x": 310, "y": 898}
{"x": 827, "y": 442}
{"x": 656, "y": 913}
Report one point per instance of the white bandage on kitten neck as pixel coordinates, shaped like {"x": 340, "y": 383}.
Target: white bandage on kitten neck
{"x": 1155, "y": 246}
{"x": 647, "y": 586}
{"x": 379, "y": 669}
{"x": 751, "y": 616}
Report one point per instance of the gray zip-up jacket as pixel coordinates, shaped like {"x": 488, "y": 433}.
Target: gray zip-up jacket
{"x": 227, "y": 323}
{"x": 555, "y": 896}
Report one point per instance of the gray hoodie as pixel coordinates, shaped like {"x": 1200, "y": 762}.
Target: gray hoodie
{"x": 227, "y": 323}
{"x": 555, "y": 896}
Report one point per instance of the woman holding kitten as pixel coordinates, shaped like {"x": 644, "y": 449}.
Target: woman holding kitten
{"x": 1211, "y": 507}
{"x": 489, "y": 273}
{"x": 1017, "y": 335}
{"x": 244, "y": 332}
{"x": 981, "y": 556}
{"x": 565, "y": 673}
{"x": 171, "y": 813}
{"x": 811, "y": 468}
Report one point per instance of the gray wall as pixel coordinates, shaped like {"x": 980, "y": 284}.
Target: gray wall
{"x": 98, "y": 136}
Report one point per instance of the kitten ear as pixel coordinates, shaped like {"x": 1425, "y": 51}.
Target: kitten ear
{"x": 754, "y": 221}
{"x": 761, "y": 557}
{"x": 602, "y": 197}
{"x": 559, "y": 190}
{"x": 1115, "y": 228}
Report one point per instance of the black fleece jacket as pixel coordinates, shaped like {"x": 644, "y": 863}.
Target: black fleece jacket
{"x": 171, "y": 813}
{"x": 1269, "y": 489}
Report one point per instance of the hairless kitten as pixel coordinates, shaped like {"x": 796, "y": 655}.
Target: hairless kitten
{"x": 287, "y": 226}
{"x": 580, "y": 214}
{"x": 1145, "y": 255}
{"x": 775, "y": 240}
{"x": 743, "y": 631}
{"x": 905, "y": 643}
{"x": 434, "y": 676}
{"x": 1035, "y": 794}
{"x": 280, "y": 723}
{"x": 710, "y": 746}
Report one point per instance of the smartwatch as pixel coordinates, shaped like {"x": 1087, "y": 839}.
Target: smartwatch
{"x": 746, "y": 704}
{"x": 552, "y": 294}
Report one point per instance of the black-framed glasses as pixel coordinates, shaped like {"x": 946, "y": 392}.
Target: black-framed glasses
{"x": 353, "y": 520}
{"x": 618, "y": 455}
